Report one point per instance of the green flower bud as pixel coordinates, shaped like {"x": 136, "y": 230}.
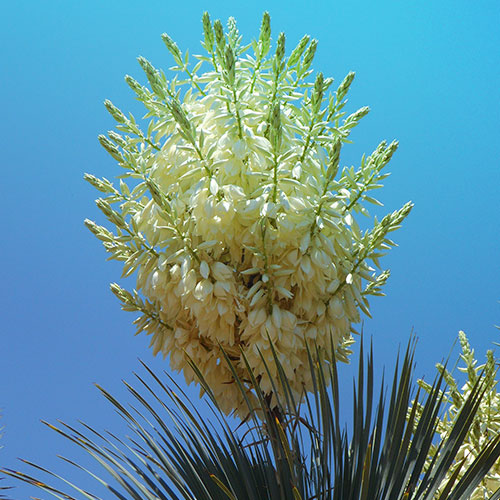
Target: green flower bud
{"x": 208, "y": 32}
{"x": 134, "y": 85}
{"x": 265, "y": 33}
{"x": 317, "y": 95}
{"x": 309, "y": 55}
{"x": 173, "y": 48}
{"x": 275, "y": 135}
{"x": 219, "y": 34}
{"x": 115, "y": 112}
{"x": 153, "y": 77}
{"x": 344, "y": 86}
{"x": 280, "y": 48}
{"x": 230, "y": 64}
{"x": 298, "y": 51}
{"x": 110, "y": 147}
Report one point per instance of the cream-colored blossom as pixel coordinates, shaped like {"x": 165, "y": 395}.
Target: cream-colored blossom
{"x": 242, "y": 229}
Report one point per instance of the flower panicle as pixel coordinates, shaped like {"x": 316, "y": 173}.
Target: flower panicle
{"x": 485, "y": 424}
{"x": 234, "y": 212}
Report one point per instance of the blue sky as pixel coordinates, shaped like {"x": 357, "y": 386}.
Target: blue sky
{"x": 428, "y": 70}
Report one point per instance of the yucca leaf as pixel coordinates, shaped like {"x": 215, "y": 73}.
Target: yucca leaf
{"x": 291, "y": 451}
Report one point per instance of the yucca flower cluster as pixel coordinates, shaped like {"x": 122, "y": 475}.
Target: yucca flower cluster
{"x": 237, "y": 220}
{"x": 486, "y": 424}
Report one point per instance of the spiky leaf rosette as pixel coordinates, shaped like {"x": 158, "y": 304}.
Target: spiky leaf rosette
{"x": 239, "y": 225}
{"x": 175, "y": 452}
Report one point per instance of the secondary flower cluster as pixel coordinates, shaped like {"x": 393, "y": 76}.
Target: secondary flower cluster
{"x": 486, "y": 422}
{"x": 239, "y": 225}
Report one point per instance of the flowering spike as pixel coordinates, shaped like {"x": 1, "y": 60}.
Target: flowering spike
{"x": 234, "y": 218}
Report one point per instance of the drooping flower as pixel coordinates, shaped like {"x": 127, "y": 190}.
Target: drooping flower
{"x": 238, "y": 223}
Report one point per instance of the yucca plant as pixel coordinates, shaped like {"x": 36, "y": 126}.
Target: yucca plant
{"x": 252, "y": 269}
{"x": 285, "y": 451}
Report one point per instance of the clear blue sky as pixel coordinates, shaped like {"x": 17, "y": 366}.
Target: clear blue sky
{"x": 430, "y": 73}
